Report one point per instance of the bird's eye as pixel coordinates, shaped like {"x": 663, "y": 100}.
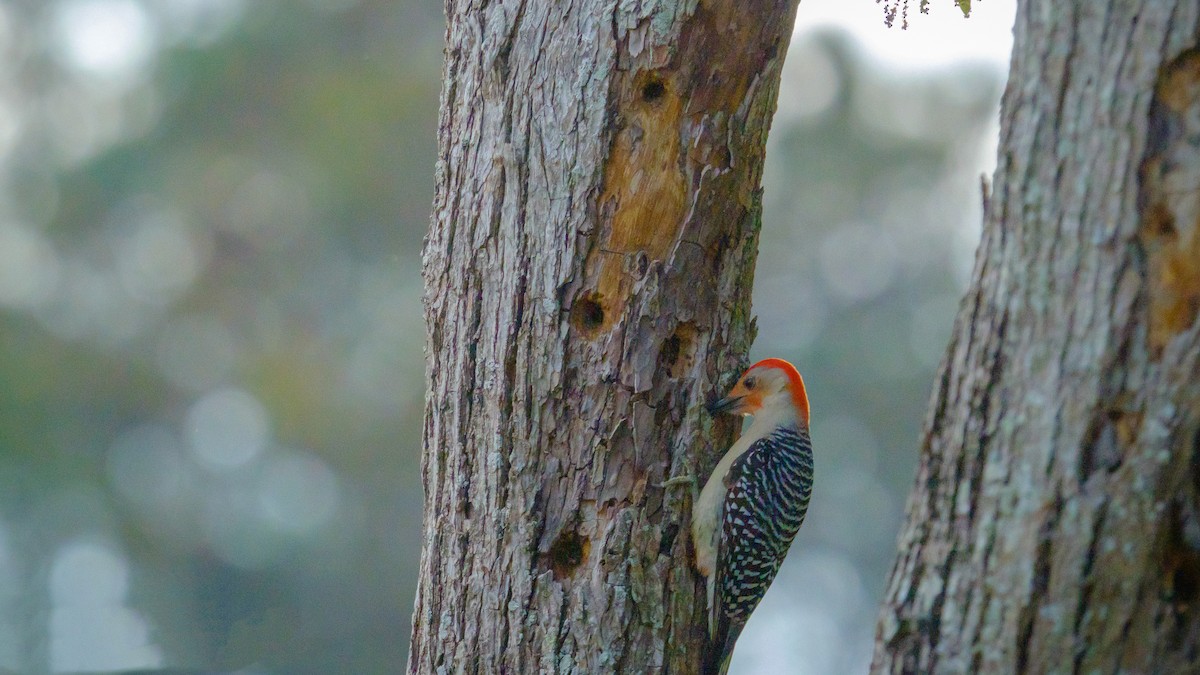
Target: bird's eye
{"x": 749, "y": 382}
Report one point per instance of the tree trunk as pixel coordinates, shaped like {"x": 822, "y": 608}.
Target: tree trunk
{"x": 1053, "y": 525}
{"x": 587, "y": 279}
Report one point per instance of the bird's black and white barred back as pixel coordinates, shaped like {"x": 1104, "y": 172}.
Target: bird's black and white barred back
{"x": 769, "y": 487}
{"x": 745, "y": 517}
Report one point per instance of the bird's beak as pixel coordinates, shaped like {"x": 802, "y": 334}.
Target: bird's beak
{"x": 727, "y": 404}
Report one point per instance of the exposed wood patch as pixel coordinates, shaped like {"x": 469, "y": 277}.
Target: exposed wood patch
{"x": 644, "y": 190}
{"x": 1171, "y": 200}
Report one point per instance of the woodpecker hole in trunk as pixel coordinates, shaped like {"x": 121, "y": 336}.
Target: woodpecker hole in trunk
{"x": 641, "y": 265}
{"x": 1186, "y": 583}
{"x": 587, "y": 314}
{"x": 567, "y": 553}
{"x": 1194, "y": 464}
{"x": 1182, "y": 553}
{"x": 678, "y": 351}
{"x": 670, "y": 351}
{"x": 668, "y": 539}
{"x": 653, "y": 90}
{"x": 1160, "y": 222}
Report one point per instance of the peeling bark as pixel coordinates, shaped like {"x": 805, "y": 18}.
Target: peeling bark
{"x": 587, "y": 276}
{"x": 1053, "y": 525}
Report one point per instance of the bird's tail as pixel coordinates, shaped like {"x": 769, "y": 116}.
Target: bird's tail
{"x": 719, "y": 651}
{"x": 713, "y": 663}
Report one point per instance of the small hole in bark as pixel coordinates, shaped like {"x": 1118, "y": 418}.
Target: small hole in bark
{"x": 1182, "y": 555}
{"x": 653, "y": 90}
{"x": 716, "y": 253}
{"x": 464, "y": 501}
{"x": 587, "y": 315}
{"x": 567, "y": 553}
{"x": 1187, "y": 583}
{"x": 1195, "y": 464}
{"x": 668, "y": 540}
{"x": 678, "y": 351}
{"x": 670, "y": 351}
{"x": 641, "y": 264}
{"x": 1160, "y": 222}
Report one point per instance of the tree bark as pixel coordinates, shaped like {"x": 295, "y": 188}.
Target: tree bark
{"x": 587, "y": 278}
{"x": 1053, "y": 525}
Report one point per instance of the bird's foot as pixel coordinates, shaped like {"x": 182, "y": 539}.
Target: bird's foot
{"x": 685, "y": 479}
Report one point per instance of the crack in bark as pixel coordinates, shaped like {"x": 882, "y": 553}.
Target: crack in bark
{"x": 1085, "y": 593}
{"x": 1027, "y": 618}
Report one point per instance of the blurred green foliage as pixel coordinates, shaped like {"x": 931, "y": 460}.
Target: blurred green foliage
{"x": 211, "y": 337}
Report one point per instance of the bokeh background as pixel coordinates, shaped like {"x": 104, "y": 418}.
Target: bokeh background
{"x": 211, "y": 370}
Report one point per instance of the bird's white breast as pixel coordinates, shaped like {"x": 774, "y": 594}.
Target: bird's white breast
{"x": 706, "y": 515}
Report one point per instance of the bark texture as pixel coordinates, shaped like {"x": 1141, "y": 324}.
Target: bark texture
{"x": 587, "y": 274}
{"x": 1053, "y": 525}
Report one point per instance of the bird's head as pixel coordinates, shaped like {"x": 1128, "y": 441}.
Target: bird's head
{"x": 769, "y": 385}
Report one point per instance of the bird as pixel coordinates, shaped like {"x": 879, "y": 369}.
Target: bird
{"x": 754, "y": 502}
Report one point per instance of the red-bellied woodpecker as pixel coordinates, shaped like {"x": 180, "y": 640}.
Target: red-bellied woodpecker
{"x": 751, "y": 508}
